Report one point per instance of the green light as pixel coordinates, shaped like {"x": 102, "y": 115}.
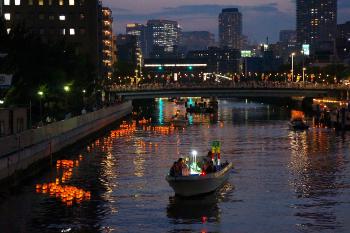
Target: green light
{"x": 66, "y": 88}
{"x": 40, "y": 93}
{"x": 160, "y": 68}
{"x": 190, "y": 68}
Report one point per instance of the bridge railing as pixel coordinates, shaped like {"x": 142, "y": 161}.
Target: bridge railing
{"x": 239, "y": 85}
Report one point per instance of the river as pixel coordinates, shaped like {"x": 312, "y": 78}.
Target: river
{"x": 283, "y": 181}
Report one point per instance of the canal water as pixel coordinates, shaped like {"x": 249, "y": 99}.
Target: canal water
{"x": 284, "y": 181}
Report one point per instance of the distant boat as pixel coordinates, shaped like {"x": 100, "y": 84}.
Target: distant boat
{"x": 194, "y": 185}
{"x": 298, "y": 124}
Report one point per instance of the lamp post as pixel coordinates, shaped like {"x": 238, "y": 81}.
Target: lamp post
{"x": 41, "y": 94}
{"x": 66, "y": 89}
{"x": 304, "y": 69}
{"x": 293, "y": 54}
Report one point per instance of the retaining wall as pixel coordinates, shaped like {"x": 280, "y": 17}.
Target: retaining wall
{"x": 19, "y": 151}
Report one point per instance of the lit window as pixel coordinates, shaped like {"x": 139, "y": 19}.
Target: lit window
{"x": 8, "y": 30}
{"x": 17, "y": 2}
{"x": 41, "y": 2}
{"x": 30, "y": 2}
{"x": 7, "y": 16}
{"x": 62, "y": 17}
{"x": 61, "y": 2}
{"x": 71, "y": 2}
{"x": 6, "y": 2}
{"x": 63, "y": 31}
{"x": 71, "y": 31}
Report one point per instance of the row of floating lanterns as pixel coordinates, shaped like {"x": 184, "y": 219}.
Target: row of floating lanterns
{"x": 67, "y": 194}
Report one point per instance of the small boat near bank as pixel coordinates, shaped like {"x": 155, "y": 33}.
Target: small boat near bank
{"x": 202, "y": 175}
{"x": 298, "y": 124}
{"x": 297, "y": 121}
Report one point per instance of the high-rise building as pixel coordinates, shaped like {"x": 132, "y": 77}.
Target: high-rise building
{"x": 163, "y": 38}
{"x": 288, "y": 36}
{"x": 230, "y": 28}
{"x": 77, "y": 22}
{"x": 129, "y": 52}
{"x": 140, "y": 31}
{"x": 107, "y": 42}
{"x": 197, "y": 40}
{"x": 316, "y": 22}
{"x": 343, "y": 41}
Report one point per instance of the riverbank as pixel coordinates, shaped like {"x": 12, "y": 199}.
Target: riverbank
{"x": 20, "y": 151}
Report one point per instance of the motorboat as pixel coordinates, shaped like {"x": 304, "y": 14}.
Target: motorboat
{"x": 298, "y": 124}
{"x": 199, "y": 184}
{"x": 179, "y": 120}
{"x": 196, "y": 180}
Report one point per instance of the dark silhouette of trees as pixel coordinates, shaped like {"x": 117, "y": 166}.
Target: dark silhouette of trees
{"x": 46, "y": 67}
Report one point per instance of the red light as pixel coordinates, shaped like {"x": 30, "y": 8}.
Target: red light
{"x": 203, "y": 173}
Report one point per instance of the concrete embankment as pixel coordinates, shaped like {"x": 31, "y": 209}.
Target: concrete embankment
{"x": 18, "y": 152}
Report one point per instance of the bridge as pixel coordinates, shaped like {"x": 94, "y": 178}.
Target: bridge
{"x": 244, "y": 90}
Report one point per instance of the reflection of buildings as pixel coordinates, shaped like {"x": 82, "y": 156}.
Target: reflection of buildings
{"x": 315, "y": 167}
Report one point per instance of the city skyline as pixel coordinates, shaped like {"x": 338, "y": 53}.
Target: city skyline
{"x": 193, "y": 15}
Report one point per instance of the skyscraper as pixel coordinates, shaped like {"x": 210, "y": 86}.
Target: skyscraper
{"x": 140, "y": 31}
{"x": 287, "y": 36}
{"x": 163, "y": 38}
{"x": 230, "y": 28}
{"x": 316, "y": 21}
{"x": 77, "y": 22}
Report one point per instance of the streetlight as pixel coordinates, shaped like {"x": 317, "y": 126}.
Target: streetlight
{"x": 66, "y": 88}
{"x": 293, "y": 54}
{"x": 41, "y": 94}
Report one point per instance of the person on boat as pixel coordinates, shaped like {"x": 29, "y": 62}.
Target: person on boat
{"x": 183, "y": 168}
{"x": 173, "y": 169}
{"x": 211, "y": 168}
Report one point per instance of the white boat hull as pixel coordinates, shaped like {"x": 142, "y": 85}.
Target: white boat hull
{"x": 196, "y": 185}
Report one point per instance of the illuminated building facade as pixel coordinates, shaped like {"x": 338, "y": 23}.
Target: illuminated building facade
{"x": 316, "y": 22}
{"x": 129, "y": 53}
{"x": 107, "y": 43}
{"x": 343, "y": 41}
{"x": 77, "y": 22}
{"x": 230, "y": 28}
{"x": 163, "y": 38}
{"x": 140, "y": 31}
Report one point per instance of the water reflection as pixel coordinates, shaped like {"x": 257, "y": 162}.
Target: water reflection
{"x": 316, "y": 179}
{"x": 200, "y": 209}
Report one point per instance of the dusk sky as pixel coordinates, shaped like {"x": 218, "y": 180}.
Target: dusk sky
{"x": 261, "y": 18}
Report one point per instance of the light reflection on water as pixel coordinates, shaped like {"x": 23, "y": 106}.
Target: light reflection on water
{"x": 284, "y": 181}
